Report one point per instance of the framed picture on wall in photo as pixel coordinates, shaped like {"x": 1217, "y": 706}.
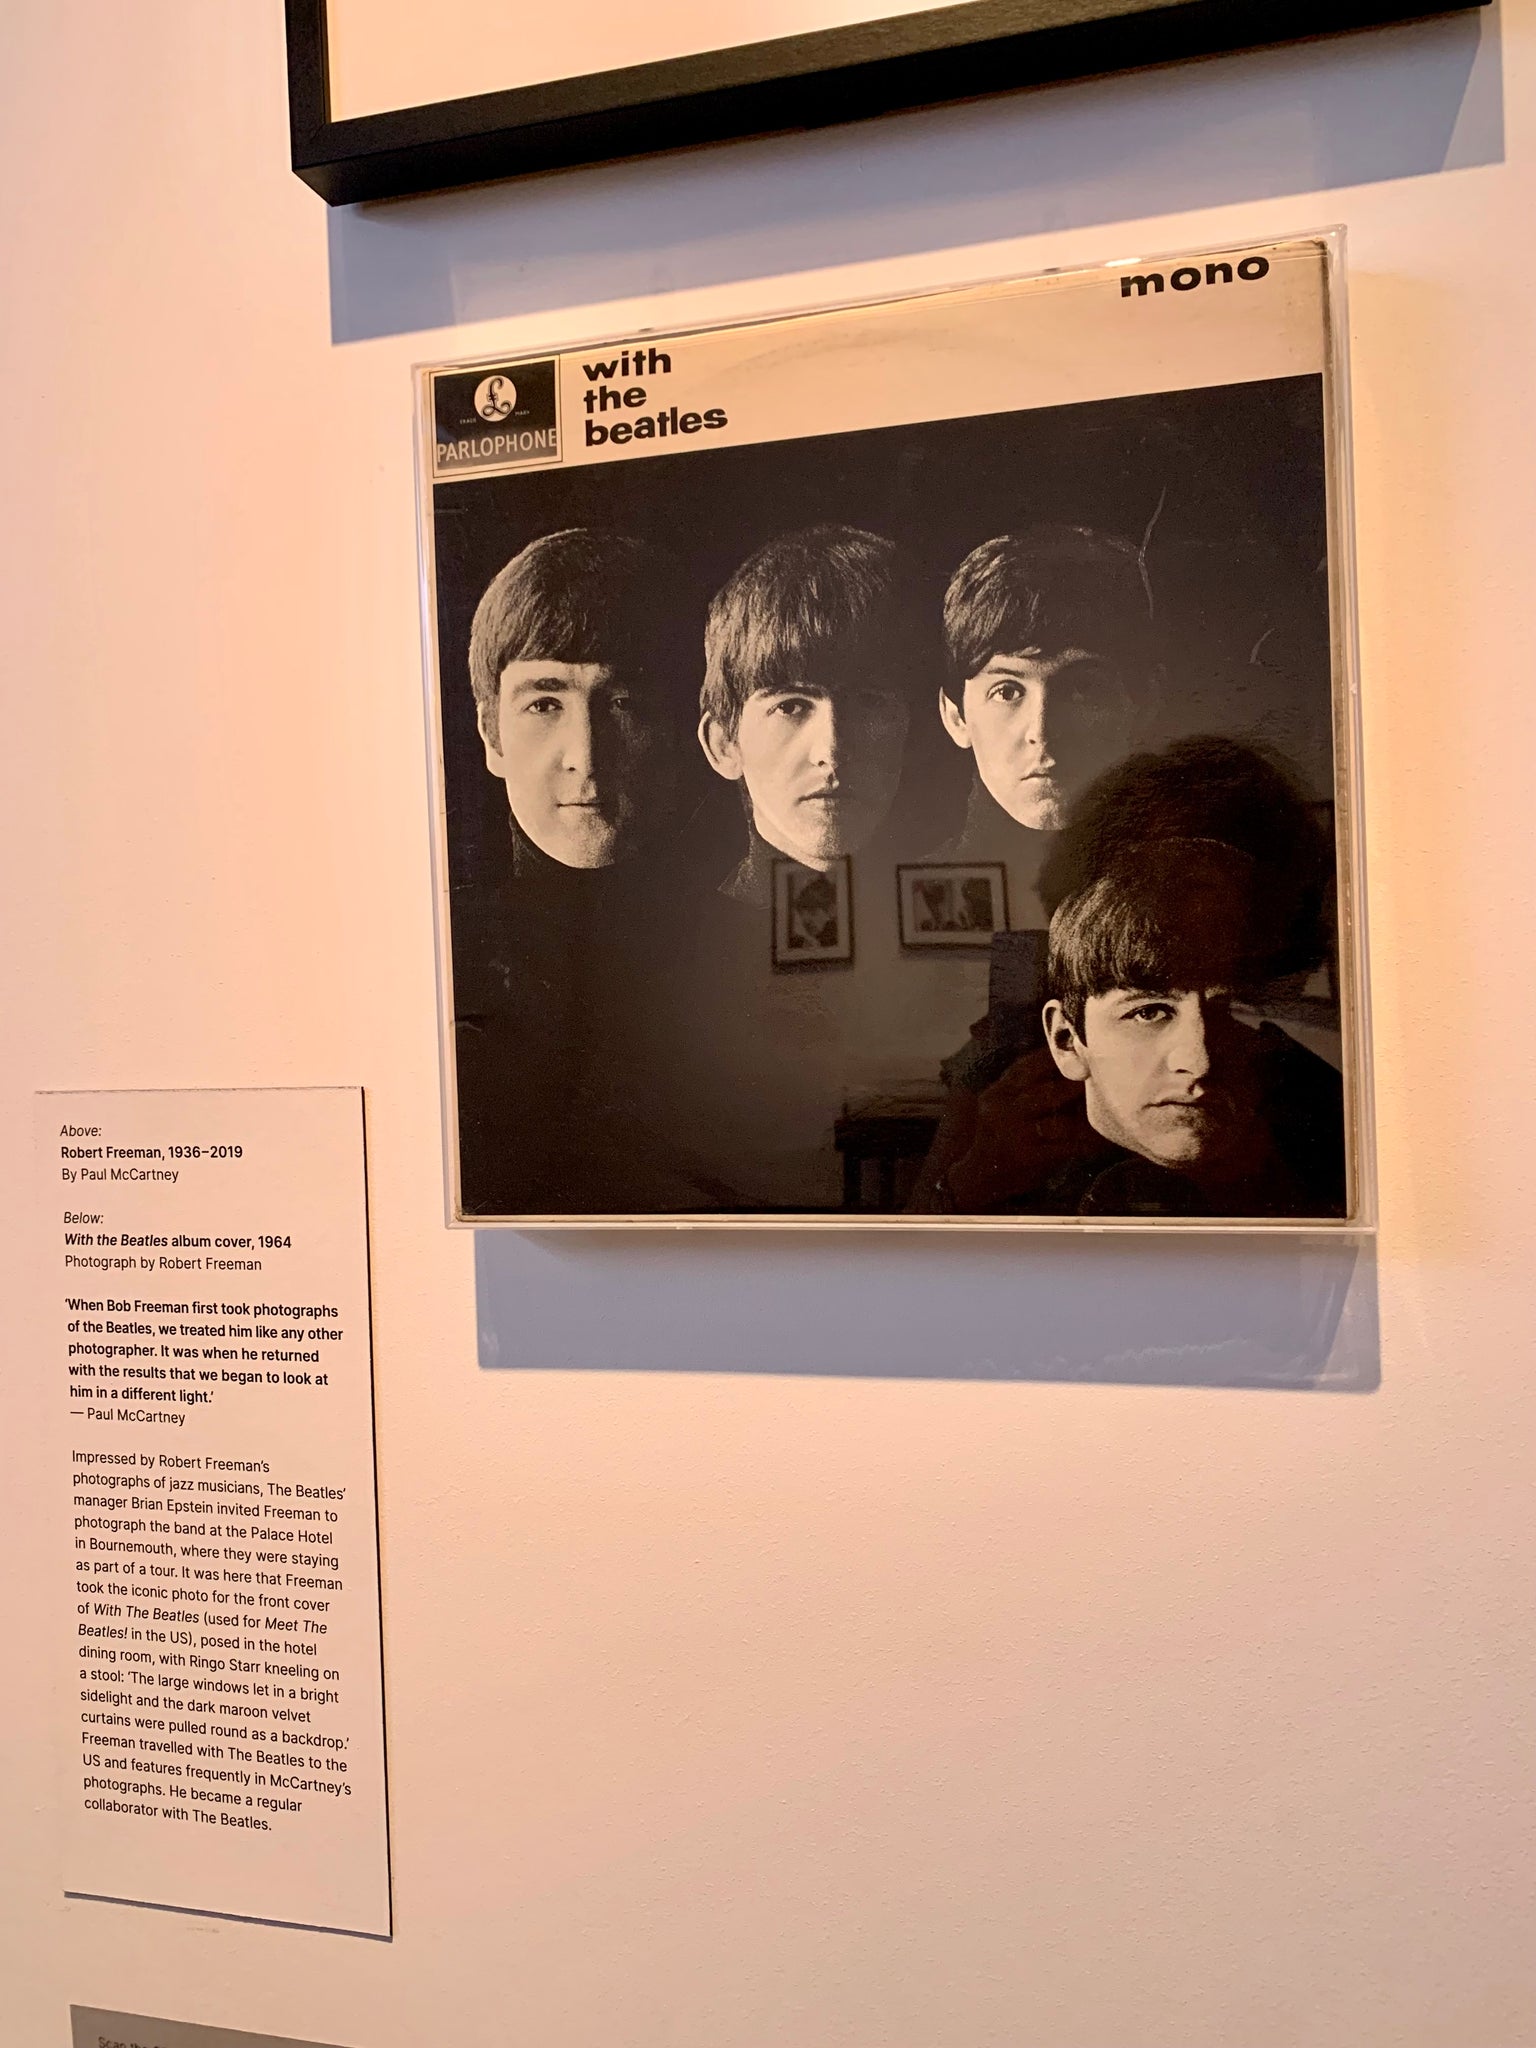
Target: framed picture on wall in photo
{"x": 943, "y": 903}
{"x": 1033, "y": 599}
{"x": 812, "y": 914}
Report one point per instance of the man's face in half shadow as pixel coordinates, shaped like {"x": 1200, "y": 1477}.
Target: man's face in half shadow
{"x": 1168, "y": 1074}
{"x": 587, "y": 753}
{"x": 821, "y": 761}
{"x": 1041, "y": 726}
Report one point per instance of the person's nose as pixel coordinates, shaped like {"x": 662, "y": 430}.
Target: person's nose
{"x": 824, "y": 735}
{"x": 1039, "y": 725}
{"x": 578, "y": 750}
{"x": 1188, "y": 1049}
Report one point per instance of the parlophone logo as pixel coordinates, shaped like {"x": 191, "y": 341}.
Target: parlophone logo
{"x": 495, "y": 397}
{"x": 503, "y": 418}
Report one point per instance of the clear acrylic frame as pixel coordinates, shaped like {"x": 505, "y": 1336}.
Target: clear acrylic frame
{"x": 540, "y": 423}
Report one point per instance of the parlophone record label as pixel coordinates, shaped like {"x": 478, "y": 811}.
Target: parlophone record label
{"x": 495, "y": 419}
{"x": 212, "y": 1363}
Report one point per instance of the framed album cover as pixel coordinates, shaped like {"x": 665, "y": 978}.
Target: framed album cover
{"x": 1010, "y": 628}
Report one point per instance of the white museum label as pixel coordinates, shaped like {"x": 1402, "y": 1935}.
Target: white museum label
{"x": 225, "y": 1730}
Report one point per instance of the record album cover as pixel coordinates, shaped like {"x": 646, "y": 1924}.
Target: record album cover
{"x": 896, "y": 764}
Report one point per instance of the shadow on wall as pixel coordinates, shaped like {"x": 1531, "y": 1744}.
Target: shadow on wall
{"x": 1237, "y": 1312}
{"x": 1348, "y": 110}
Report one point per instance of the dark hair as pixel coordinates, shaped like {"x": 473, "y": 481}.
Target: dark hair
{"x": 816, "y": 892}
{"x": 1049, "y": 587}
{"x": 583, "y": 595}
{"x": 828, "y": 601}
{"x": 1210, "y": 788}
{"x": 1168, "y": 915}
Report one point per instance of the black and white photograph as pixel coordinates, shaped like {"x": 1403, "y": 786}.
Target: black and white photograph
{"x": 945, "y": 624}
{"x": 812, "y": 914}
{"x": 948, "y": 904}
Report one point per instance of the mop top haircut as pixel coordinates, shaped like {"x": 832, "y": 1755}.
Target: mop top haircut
{"x": 822, "y": 606}
{"x": 1165, "y": 917}
{"x": 1209, "y": 787}
{"x": 585, "y": 595}
{"x": 1048, "y": 588}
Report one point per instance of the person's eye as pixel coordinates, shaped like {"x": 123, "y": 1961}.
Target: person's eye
{"x": 795, "y": 709}
{"x": 1008, "y": 691}
{"x": 543, "y": 707}
{"x": 1150, "y": 1013}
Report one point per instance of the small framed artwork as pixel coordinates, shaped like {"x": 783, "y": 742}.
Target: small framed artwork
{"x": 948, "y": 904}
{"x": 812, "y": 914}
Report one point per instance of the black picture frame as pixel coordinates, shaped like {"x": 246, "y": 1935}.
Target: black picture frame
{"x": 790, "y": 82}
{"x": 792, "y": 955}
{"x": 914, "y": 939}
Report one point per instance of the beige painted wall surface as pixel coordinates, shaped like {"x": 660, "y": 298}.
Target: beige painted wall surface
{"x": 736, "y": 1709}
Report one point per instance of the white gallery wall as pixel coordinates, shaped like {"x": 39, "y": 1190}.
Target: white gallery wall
{"x": 759, "y": 1671}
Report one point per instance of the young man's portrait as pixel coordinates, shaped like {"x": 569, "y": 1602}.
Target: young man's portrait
{"x": 1050, "y": 678}
{"x": 1199, "y": 1109}
{"x": 809, "y": 678}
{"x": 583, "y": 671}
{"x": 813, "y": 915}
{"x": 1181, "y": 878}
